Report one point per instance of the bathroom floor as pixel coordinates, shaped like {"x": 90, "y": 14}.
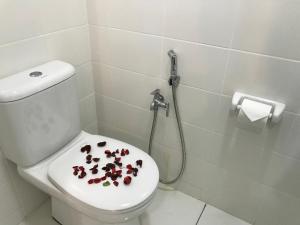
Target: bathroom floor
{"x": 168, "y": 208}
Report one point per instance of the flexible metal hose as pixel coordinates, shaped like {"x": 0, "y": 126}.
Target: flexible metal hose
{"x": 183, "y": 151}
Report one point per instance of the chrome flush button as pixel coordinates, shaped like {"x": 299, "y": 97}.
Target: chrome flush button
{"x": 36, "y": 74}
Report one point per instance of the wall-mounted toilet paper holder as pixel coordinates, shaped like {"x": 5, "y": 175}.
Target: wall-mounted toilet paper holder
{"x": 276, "y": 111}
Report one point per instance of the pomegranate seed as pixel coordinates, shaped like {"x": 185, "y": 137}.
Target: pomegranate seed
{"x": 117, "y": 151}
{"x": 129, "y": 171}
{"x": 75, "y": 172}
{"x": 118, "y": 159}
{"x": 127, "y": 152}
{"x": 139, "y": 163}
{"x": 103, "y": 178}
{"x": 113, "y": 170}
{"x": 91, "y": 181}
{"x": 101, "y": 144}
{"x": 96, "y": 159}
{"x": 116, "y": 183}
{"x": 94, "y": 171}
{"x": 127, "y": 180}
{"x": 89, "y": 161}
{"x": 75, "y": 167}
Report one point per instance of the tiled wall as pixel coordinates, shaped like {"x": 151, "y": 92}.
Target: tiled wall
{"x": 223, "y": 46}
{"x": 31, "y": 33}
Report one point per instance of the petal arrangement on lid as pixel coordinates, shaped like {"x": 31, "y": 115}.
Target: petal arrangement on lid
{"x": 112, "y": 171}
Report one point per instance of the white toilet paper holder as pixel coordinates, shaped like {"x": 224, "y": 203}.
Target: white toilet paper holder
{"x": 276, "y": 110}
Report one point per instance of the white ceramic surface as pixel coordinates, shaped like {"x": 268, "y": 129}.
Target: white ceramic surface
{"x": 23, "y": 84}
{"x": 110, "y": 198}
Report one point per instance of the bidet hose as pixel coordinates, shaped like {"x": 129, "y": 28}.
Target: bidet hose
{"x": 183, "y": 151}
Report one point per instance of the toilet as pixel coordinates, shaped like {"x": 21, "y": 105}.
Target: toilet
{"x": 92, "y": 179}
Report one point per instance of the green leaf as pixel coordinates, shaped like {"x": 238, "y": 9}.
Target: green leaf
{"x": 107, "y": 183}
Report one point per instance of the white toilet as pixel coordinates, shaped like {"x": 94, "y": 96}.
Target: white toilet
{"x": 85, "y": 175}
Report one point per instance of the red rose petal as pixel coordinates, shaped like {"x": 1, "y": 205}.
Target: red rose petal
{"x": 91, "y": 181}
{"x": 97, "y": 180}
{"x": 139, "y": 163}
{"x": 88, "y": 157}
{"x": 96, "y": 159}
{"x": 101, "y": 144}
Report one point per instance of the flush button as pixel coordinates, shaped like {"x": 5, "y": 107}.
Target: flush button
{"x": 36, "y": 74}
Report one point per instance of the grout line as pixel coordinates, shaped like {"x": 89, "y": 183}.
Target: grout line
{"x": 182, "y": 85}
{"x": 201, "y": 214}
{"x": 43, "y": 35}
{"x": 199, "y": 43}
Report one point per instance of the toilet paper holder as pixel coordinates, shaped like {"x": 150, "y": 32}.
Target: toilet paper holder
{"x": 276, "y": 110}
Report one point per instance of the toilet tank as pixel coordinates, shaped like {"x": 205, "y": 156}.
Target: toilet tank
{"x": 39, "y": 112}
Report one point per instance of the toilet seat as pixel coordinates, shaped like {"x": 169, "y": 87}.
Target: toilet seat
{"x": 96, "y": 197}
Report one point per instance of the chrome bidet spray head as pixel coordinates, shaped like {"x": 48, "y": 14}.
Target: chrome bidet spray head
{"x": 174, "y": 78}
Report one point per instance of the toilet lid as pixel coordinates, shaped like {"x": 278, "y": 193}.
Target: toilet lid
{"x": 111, "y": 197}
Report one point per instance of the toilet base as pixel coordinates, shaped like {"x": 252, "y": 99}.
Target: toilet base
{"x": 66, "y": 215}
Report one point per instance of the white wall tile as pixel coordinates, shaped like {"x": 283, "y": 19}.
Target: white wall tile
{"x": 205, "y": 144}
{"x": 124, "y": 85}
{"x": 98, "y": 12}
{"x": 56, "y": 14}
{"x": 110, "y": 131}
{"x": 289, "y": 145}
{"x": 85, "y": 80}
{"x": 283, "y": 174}
{"x": 135, "y": 15}
{"x": 19, "y": 20}
{"x": 199, "y": 65}
{"x": 126, "y": 117}
{"x": 22, "y": 55}
{"x": 273, "y": 78}
{"x": 128, "y": 50}
{"x": 278, "y": 208}
{"x": 272, "y": 28}
{"x": 206, "y": 21}
{"x": 87, "y": 110}
{"x": 198, "y": 107}
{"x": 238, "y": 195}
{"x": 71, "y": 45}
{"x": 203, "y": 175}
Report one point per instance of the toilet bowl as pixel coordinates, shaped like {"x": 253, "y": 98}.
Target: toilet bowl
{"x": 112, "y": 204}
{"x": 92, "y": 179}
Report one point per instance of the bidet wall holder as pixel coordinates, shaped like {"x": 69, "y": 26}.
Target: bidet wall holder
{"x": 159, "y": 102}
